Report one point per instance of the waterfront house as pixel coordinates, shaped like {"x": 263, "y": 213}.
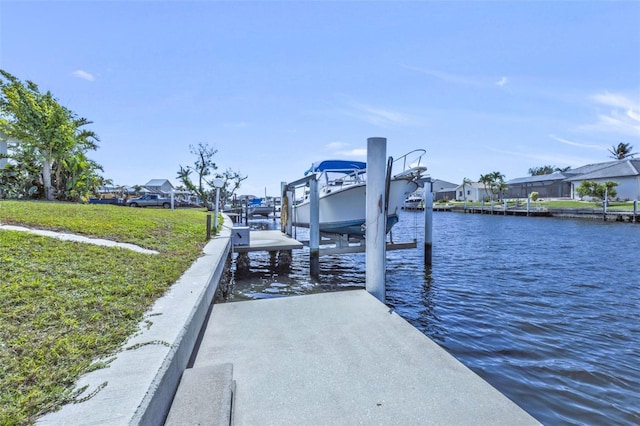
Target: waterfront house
{"x": 625, "y": 172}
{"x": 563, "y": 185}
{"x": 474, "y": 191}
{"x": 443, "y": 190}
{"x": 554, "y": 185}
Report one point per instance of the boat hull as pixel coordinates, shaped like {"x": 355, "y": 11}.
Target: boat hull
{"x": 343, "y": 211}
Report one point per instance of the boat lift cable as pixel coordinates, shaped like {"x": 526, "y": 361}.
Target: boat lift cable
{"x": 387, "y": 190}
{"x": 387, "y": 186}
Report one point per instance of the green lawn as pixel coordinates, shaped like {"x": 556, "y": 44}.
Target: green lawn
{"x": 65, "y": 304}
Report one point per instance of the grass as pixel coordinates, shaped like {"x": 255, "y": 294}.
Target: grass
{"x": 65, "y": 304}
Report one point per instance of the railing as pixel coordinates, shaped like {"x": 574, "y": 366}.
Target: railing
{"x": 408, "y": 161}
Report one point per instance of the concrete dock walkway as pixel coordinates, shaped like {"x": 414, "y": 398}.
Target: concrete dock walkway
{"x": 342, "y": 359}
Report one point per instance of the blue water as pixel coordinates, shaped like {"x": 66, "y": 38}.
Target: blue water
{"x": 546, "y": 310}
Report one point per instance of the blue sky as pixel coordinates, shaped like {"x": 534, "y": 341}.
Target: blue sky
{"x": 274, "y": 86}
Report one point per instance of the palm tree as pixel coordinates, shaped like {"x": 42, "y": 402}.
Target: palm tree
{"x": 465, "y": 182}
{"x": 487, "y": 181}
{"x": 622, "y": 151}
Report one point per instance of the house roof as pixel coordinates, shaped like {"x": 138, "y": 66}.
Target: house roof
{"x": 606, "y": 170}
{"x": 612, "y": 169}
{"x": 443, "y": 185}
{"x": 477, "y": 185}
{"x": 539, "y": 178}
{"x": 158, "y": 182}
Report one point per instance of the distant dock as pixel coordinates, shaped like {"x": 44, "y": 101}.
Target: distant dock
{"x": 597, "y": 214}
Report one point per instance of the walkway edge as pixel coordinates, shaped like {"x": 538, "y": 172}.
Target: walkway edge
{"x": 139, "y": 385}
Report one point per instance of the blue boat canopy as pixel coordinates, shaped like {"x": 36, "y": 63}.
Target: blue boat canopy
{"x": 344, "y": 166}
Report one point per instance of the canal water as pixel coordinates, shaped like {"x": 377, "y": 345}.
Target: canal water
{"x": 546, "y": 310}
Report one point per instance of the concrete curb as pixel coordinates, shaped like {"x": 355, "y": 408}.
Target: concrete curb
{"x": 139, "y": 385}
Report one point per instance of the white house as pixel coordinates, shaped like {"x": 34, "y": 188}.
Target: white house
{"x": 161, "y": 186}
{"x": 4, "y": 142}
{"x": 3, "y": 152}
{"x": 474, "y": 191}
{"x": 625, "y": 172}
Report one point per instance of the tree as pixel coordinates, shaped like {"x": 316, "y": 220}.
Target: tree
{"x": 232, "y": 181}
{"x": 204, "y": 167}
{"x": 52, "y": 140}
{"x": 544, "y": 170}
{"x": 622, "y": 151}
{"x": 465, "y": 182}
{"x": 493, "y": 183}
{"x": 589, "y": 188}
{"x": 486, "y": 180}
{"x": 547, "y": 170}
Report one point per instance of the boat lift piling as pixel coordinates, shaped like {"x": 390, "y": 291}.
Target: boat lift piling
{"x": 314, "y": 219}
{"x": 314, "y": 228}
{"x": 428, "y": 221}
{"x": 376, "y": 218}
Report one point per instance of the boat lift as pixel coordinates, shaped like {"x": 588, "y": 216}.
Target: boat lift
{"x": 321, "y": 244}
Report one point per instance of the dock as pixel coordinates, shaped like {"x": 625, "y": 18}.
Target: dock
{"x": 338, "y": 359}
{"x": 268, "y": 241}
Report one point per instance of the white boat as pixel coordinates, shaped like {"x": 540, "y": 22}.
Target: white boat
{"x": 264, "y": 206}
{"x": 413, "y": 202}
{"x": 342, "y": 193}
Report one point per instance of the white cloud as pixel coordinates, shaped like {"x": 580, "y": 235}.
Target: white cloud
{"x": 581, "y": 145}
{"x": 615, "y": 100}
{"x": 378, "y": 116}
{"x": 353, "y": 153}
{"x": 444, "y": 76}
{"x": 236, "y": 125}
{"x": 336, "y": 145}
{"x": 83, "y": 75}
{"x": 502, "y": 82}
{"x": 621, "y": 118}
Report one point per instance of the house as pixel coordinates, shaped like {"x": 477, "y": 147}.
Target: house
{"x": 3, "y": 153}
{"x": 473, "y": 191}
{"x": 443, "y": 190}
{"x": 625, "y": 172}
{"x": 159, "y": 186}
{"x": 4, "y": 146}
{"x": 554, "y": 185}
{"x": 563, "y": 185}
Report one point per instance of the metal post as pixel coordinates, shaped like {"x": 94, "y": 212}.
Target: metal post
{"x": 215, "y": 217}
{"x": 428, "y": 225}
{"x": 314, "y": 228}
{"x": 376, "y": 222}
{"x": 208, "y": 227}
{"x": 172, "y": 199}
{"x": 604, "y": 204}
{"x": 635, "y": 210}
{"x": 505, "y": 207}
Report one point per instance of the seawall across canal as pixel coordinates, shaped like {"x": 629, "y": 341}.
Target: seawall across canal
{"x": 331, "y": 358}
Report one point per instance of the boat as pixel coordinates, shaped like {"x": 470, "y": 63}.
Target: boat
{"x": 263, "y": 207}
{"x": 342, "y": 193}
{"x": 413, "y": 202}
